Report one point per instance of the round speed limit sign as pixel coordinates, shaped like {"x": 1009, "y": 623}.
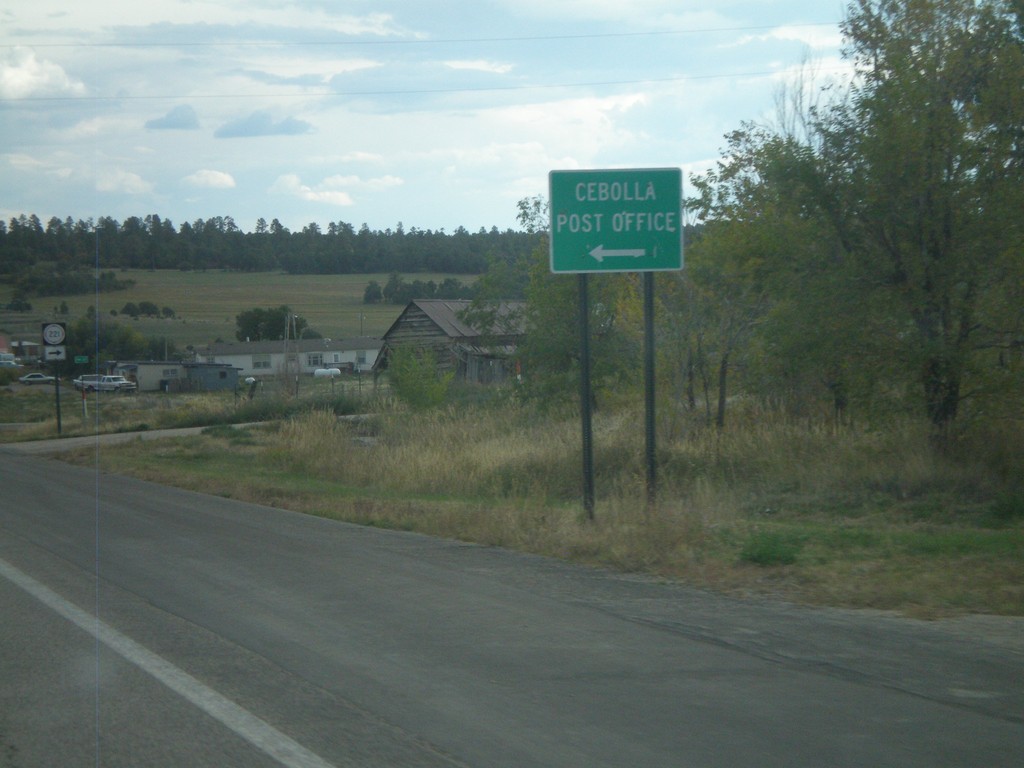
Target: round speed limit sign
{"x": 53, "y": 334}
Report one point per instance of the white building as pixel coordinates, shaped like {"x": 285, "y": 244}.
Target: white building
{"x": 272, "y": 358}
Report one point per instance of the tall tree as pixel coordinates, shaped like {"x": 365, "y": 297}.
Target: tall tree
{"x": 923, "y": 167}
{"x": 887, "y": 235}
{"x": 762, "y": 279}
{"x": 551, "y": 351}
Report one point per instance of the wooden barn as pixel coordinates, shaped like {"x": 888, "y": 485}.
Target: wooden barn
{"x": 478, "y": 346}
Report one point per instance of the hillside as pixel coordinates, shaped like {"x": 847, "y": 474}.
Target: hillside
{"x": 205, "y": 303}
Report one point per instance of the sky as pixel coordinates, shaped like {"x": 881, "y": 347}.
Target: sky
{"x": 429, "y": 114}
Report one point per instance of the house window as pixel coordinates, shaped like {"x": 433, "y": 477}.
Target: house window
{"x": 170, "y": 373}
{"x": 315, "y": 360}
{"x": 361, "y": 357}
{"x": 260, "y": 361}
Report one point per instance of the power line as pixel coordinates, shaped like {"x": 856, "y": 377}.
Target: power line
{"x": 306, "y": 94}
{"x": 413, "y": 91}
{"x": 424, "y": 41}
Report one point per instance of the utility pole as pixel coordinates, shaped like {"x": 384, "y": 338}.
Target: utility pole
{"x": 298, "y": 366}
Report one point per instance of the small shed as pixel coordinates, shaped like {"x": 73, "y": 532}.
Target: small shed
{"x": 178, "y": 376}
{"x": 210, "y": 377}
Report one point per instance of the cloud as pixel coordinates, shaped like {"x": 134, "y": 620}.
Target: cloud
{"x": 207, "y": 179}
{"x": 283, "y": 69}
{"x": 379, "y": 24}
{"x": 580, "y": 128}
{"x": 384, "y": 182}
{"x": 291, "y": 185}
{"x": 92, "y": 129}
{"x": 480, "y": 65}
{"x": 815, "y": 37}
{"x": 22, "y": 162}
{"x": 604, "y": 10}
{"x": 261, "y": 123}
{"x": 31, "y": 165}
{"x": 23, "y": 75}
{"x": 182, "y": 118}
{"x": 358, "y": 156}
{"x": 333, "y": 189}
{"x": 381, "y": 182}
{"x": 121, "y": 181}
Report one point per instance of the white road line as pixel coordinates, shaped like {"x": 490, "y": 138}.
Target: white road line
{"x": 251, "y": 728}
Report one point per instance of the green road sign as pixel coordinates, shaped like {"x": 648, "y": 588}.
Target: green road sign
{"x": 79, "y": 359}
{"x": 626, "y": 220}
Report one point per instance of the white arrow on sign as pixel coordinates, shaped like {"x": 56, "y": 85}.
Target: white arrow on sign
{"x": 601, "y": 253}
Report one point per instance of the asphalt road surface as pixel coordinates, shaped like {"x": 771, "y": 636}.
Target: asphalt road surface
{"x": 144, "y": 625}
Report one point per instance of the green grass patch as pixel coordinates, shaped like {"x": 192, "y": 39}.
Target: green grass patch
{"x": 953, "y": 543}
{"x": 769, "y": 548}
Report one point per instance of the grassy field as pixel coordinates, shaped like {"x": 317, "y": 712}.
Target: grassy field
{"x": 799, "y": 511}
{"x": 206, "y": 303}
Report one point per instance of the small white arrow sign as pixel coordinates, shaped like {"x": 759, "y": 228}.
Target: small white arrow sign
{"x": 601, "y": 253}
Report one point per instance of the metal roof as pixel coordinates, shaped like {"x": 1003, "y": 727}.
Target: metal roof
{"x": 445, "y": 314}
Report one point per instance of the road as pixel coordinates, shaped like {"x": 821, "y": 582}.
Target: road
{"x": 144, "y": 625}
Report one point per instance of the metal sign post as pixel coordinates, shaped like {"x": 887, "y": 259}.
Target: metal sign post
{"x": 54, "y": 351}
{"x": 585, "y": 397}
{"x": 56, "y": 392}
{"x": 649, "y": 423}
{"x": 616, "y": 221}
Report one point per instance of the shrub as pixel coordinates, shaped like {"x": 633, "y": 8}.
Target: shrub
{"x": 415, "y": 379}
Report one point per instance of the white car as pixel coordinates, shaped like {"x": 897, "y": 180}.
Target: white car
{"x": 96, "y": 383}
{"x": 36, "y": 378}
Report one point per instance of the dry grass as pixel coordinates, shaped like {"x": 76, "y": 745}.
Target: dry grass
{"x": 34, "y": 412}
{"x": 803, "y": 511}
{"x": 433, "y": 454}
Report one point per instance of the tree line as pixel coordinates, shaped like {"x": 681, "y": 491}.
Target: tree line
{"x": 57, "y": 257}
{"x": 397, "y": 290}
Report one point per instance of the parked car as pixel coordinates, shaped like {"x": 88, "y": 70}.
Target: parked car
{"x": 36, "y": 378}
{"x": 96, "y": 383}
